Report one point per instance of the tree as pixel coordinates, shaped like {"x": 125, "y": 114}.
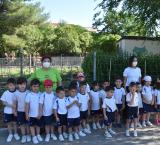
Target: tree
{"x": 145, "y": 12}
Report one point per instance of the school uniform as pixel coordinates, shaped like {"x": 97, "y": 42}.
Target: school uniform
{"x": 84, "y": 99}
{"x": 95, "y": 102}
{"x": 157, "y": 94}
{"x": 110, "y": 105}
{"x": 73, "y": 115}
{"x": 9, "y": 98}
{"x": 132, "y": 110}
{"x": 33, "y": 100}
{"x": 147, "y": 92}
{"x": 20, "y": 100}
{"x": 140, "y": 104}
{"x": 47, "y": 100}
{"x": 60, "y": 106}
{"x": 119, "y": 93}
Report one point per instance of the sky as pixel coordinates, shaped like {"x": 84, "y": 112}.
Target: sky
{"x": 78, "y": 12}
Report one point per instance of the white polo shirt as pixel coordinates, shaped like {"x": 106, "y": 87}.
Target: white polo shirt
{"x": 147, "y": 92}
{"x": 135, "y": 102}
{"x": 140, "y": 104}
{"x": 9, "y": 98}
{"x": 157, "y": 94}
{"x": 20, "y": 99}
{"x": 74, "y": 111}
{"x": 119, "y": 93}
{"x": 33, "y": 100}
{"x": 132, "y": 74}
{"x": 95, "y": 100}
{"x": 102, "y": 94}
{"x": 47, "y": 100}
{"x": 109, "y": 104}
{"x": 60, "y": 106}
{"x": 84, "y": 99}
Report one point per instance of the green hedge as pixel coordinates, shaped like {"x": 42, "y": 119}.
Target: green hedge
{"x": 148, "y": 63}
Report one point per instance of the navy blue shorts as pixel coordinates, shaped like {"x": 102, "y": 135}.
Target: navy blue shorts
{"x": 111, "y": 118}
{"x": 62, "y": 120}
{"x": 119, "y": 107}
{"x": 9, "y": 118}
{"x": 95, "y": 112}
{"x": 72, "y": 122}
{"x": 21, "y": 119}
{"x": 48, "y": 120}
{"x": 147, "y": 108}
{"x": 84, "y": 114}
{"x": 35, "y": 122}
{"x": 132, "y": 112}
{"x": 140, "y": 111}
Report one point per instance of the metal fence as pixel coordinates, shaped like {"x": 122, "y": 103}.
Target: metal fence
{"x": 26, "y": 65}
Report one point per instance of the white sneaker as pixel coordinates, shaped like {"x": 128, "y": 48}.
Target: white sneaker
{"x": 135, "y": 133}
{"x": 107, "y": 134}
{"x": 88, "y": 127}
{"x": 111, "y": 131}
{"x": 65, "y": 135}
{"x": 28, "y": 138}
{"x": 127, "y": 133}
{"x": 94, "y": 126}
{"x": 61, "y": 137}
{"x": 16, "y": 136}
{"x": 53, "y": 136}
{"x": 149, "y": 123}
{"x": 24, "y": 139}
{"x": 39, "y": 138}
{"x": 47, "y": 138}
{"x": 82, "y": 134}
{"x": 139, "y": 125}
{"x": 70, "y": 138}
{"x": 87, "y": 131}
{"x": 98, "y": 126}
{"x": 9, "y": 138}
{"x": 143, "y": 124}
{"x": 76, "y": 136}
{"x": 35, "y": 140}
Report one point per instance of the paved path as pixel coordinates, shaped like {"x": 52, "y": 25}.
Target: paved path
{"x": 147, "y": 136}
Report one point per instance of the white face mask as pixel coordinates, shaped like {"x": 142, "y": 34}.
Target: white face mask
{"x": 46, "y": 64}
{"x": 134, "y": 63}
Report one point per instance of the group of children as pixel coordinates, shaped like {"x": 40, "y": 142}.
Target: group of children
{"x": 72, "y": 113}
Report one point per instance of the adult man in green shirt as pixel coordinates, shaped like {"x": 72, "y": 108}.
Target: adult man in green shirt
{"x": 46, "y": 72}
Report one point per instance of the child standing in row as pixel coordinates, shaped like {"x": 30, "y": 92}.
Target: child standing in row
{"x": 32, "y": 111}
{"x": 8, "y": 99}
{"x": 109, "y": 109}
{"x": 47, "y": 100}
{"x": 95, "y": 105}
{"x": 132, "y": 108}
{"x": 148, "y": 101}
{"x": 119, "y": 95}
{"x": 20, "y": 96}
{"x": 60, "y": 112}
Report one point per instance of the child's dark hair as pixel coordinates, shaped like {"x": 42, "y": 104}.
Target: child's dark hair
{"x": 21, "y": 80}
{"x": 109, "y": 88}
{"x": 132, "y": 84}
{"x": 82, "y": 84}
{"x": 72, "y": 87}
{"x": 118, "y": 78}
{"x": 35, "y": 82}
{"x": 58, "y": 89}
{"x": 95, "y": 83}
{"x": 138, "y": 83}
{"x": 11, "y": 80}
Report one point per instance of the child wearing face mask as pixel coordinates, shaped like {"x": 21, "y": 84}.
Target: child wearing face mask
{"x": 8, "y": 99}
{"x": 148, "y": 101}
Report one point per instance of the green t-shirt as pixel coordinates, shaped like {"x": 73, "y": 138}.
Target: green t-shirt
{"x": 42, "y": 75}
